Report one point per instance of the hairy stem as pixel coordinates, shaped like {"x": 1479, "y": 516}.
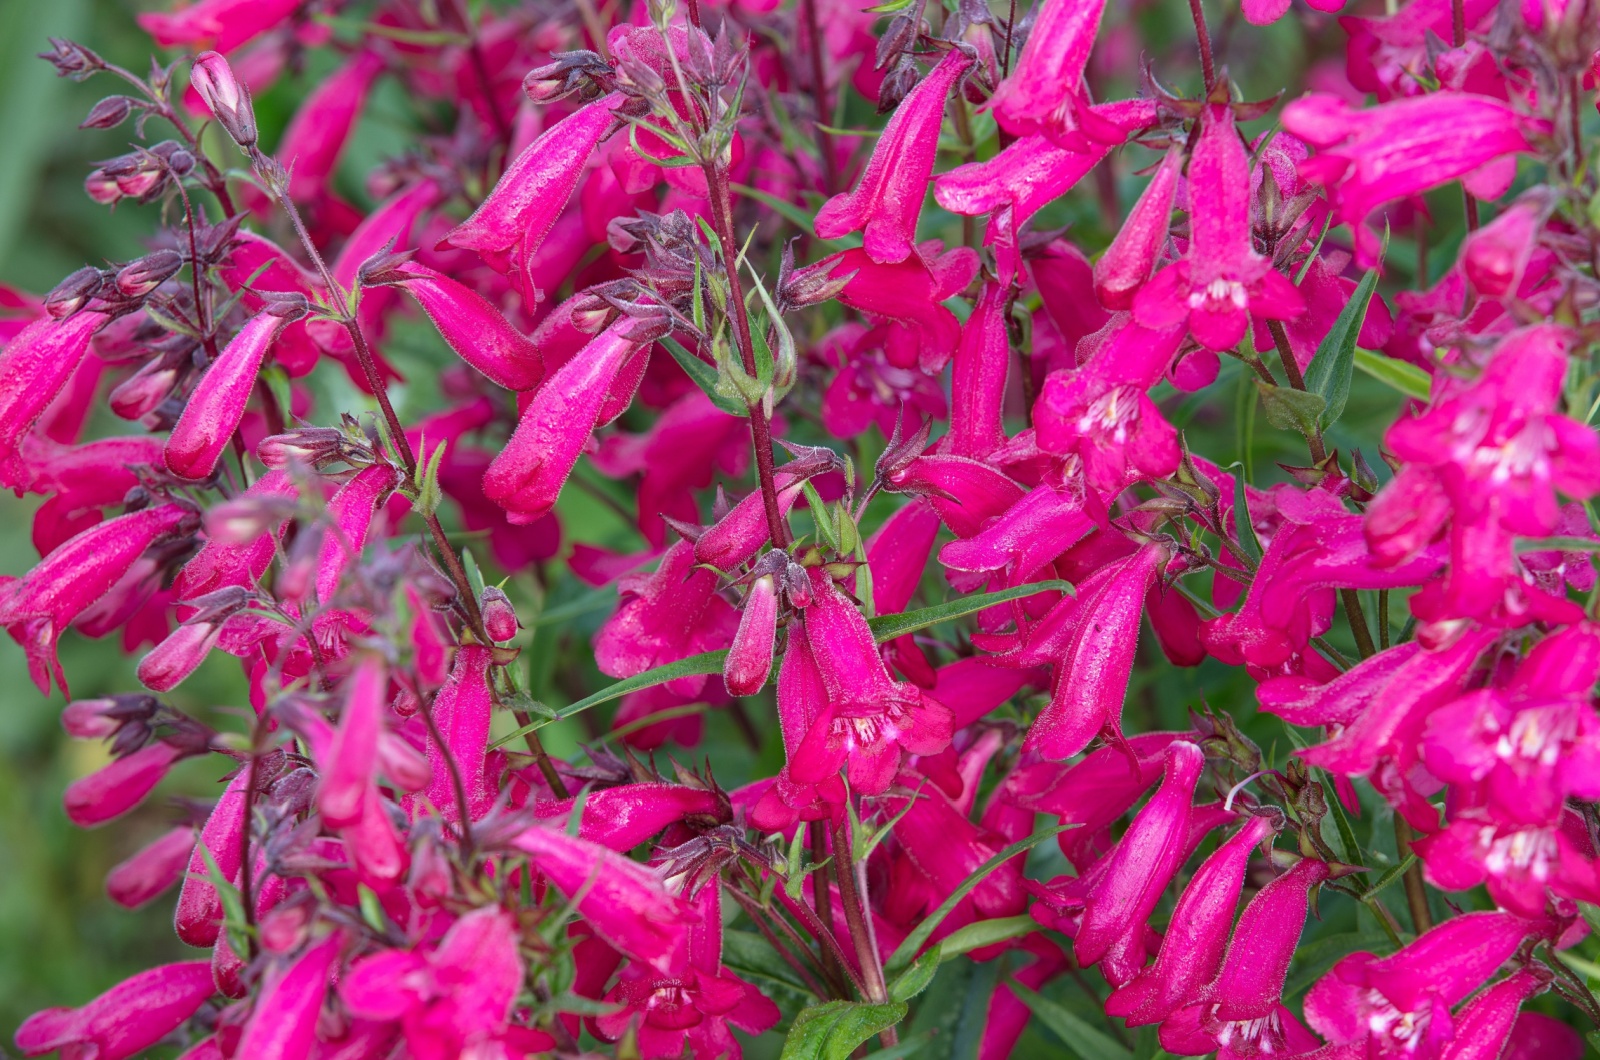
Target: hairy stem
{"x": 853, "y": 897}
{"x": 1207, "y": 64}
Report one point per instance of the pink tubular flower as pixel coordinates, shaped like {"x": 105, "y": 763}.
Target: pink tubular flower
{"x": 1488, "y": 458}
{"x": 198, "y": 918}
{"x": 474, "y": 328}
{"x": 67, "y": 582}
{"x": 217, "y": 404}
{"x": 1126, "y": 891}
{"x": 157, "y": 866}
{"x": 664, "y": 616}
{"x": 1368, "y": 157}
{"x": 750, "y": 658}
{"x": 1094, "y": 652}
{"x": 448, "y": 1002}
{"x": 1193, "y": 947}
{"x": 1223, "y": 280}
{"x": 622, "y": 818}
{"x": 222, "y": 24}
{"x": 534, "y": 189}
{"x": 463, "y": 710}
{"x": 527, "y": 476}
{"x": 1483, "y": 1028}
{"x": 125, "y": 1020}
{"x": 886, "y": 203}
{"x": 1494, "y": 257}
{"x": 869, "y": 717}
{"x": 1126, "y": 264}
{"x": 1400, "y": 1005}
{"x": 801, "y": 699}
{"x": 1102, "y": 412}
{"x": 113, "y": 790}
{"x": 689, "y": 1012}
{"x": 283, "y": 1024}
{"x": 1044, "y": 93}
{"x": 350, "y": 513}
{"x": 353, "y": 756}
{"x": 978, "y": 380}
{"x": 317, "y": 133}
{"x": 35, "y": 366}
{"x": 622, "y": 901}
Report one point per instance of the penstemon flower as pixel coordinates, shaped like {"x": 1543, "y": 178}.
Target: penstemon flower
{"x": 647, "y": 529}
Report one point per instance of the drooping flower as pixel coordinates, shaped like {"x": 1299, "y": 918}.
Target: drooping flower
{"x": 885, "y": 205}
{"x": 125, "y": 1020}
{"x": 868, "y": 717}
{"x": 1044, "y": 93}
{"x": 1223, "y": 281}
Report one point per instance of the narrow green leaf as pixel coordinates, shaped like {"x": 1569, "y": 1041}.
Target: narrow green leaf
{"x": 832, "y": 1031}
{"x": 981, "y": 933}
{"x": 1407, "y": 378}
{"x": 1243, "y": 530}
{"x": 915, "y": 979}
{"x": 795, "y": 215}
{"x": 1588, "y": 969}
{"x": 819, "y": 516}
{"x": 706, "y": 663}
{"x": 1335, "y": 361}
{"x": 1084, "y": 1039}
{"x": 704, "y": 376}
{"x": 1558, "y": 544}
{"x": 903, "y": 954}
{"x": 1291, "y": 410}
{"x": 1389, "y": 877}
{"x": 888, "y": 627}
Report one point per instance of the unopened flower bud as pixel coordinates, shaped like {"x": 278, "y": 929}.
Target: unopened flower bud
{"x": 156, "y": 867}
{"x": 142, "y": 392}
{"x": 108, "y": 113}
{"x": 309, "y": 446}
{"x": 570, "y": 72}
{"x": 139, "y": 175}
{"x": 245, "y": 518}
{"x": 749, "y": 662}
{"x": 225, "y": 96}
{"x": 73, "y": 293}
{"x": 138, "y": 278}
{"x": 102, "y": 187}
{"x": 499, "y": 617}
{"x": 72, "y": 59}
{"x": 112, "y": 791}
{"x": 90, "y": 719}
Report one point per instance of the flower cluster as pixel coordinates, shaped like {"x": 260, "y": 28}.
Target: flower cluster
{"x": 954, "y": 515}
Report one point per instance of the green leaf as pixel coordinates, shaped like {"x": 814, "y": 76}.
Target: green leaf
{"x": 819, "y": 516}
{"x": 1389, "y": 877}
{"x": 1243, "y": 530}
{"x": 706, "y": 663}
{"x": 429, "y": 495}
{"x": 982, "y": 933}
{"x": 888, "y": 627}
{"x": 1083, "y": 1038}
{"x": 1335, "y": 361}
{"x": 469, "y": 563}
{"x": 903, "y": 954}
{"x": 1291, "y": 410}
{"x": 1558, "y": 544}
{"x": 234, "y": 922}
{"x": 1403, "y": 376}
{"x": 832, "y": 1031}
{"x": 1588, "y": 969}
{"x": 753, "y": 957}
{"x": 915, "y": 979}
{"x": 704, "y": 376}
{"x": 795, "y": 215}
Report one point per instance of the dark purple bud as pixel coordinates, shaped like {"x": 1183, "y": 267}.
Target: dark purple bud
{"x": 108, "y": 113}
{"x": 72, "y": 59}
{"x": 138, "y": 278}
{"x": 570, "y": 72}
{"x": 226, "y": 96}
{"x": 285, "y": 305}
{"x": 73, "y": 293}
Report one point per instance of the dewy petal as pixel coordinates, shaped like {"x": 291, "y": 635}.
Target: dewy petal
{"x": 1044, "y": 87}
{"x": 888, "y": 200}
{"x": 1126, "y": 264}
{"x": 749, "y": 660}
{"x": 475, "y": 329}
{"x": 535, "y": 188}
{"x": 1250, "y": 984}
{"x": 125, "y": 1020}
{"x": 527, "y": 476}
{"x": 353, "y": 756}
{"x": 463, "y": 710}
{"x": 1138, "y": 870}
{"x": 1092, "y": 675}
{"x": 1482, "y": 1028}
{"x": 34, "y": 367}
{"x": 978, "y": 378}
{"x": 283, "y": 1025}
{"x": 622, "y": 901}
{"x": 1192, "y": 949}
{"x": 316, "y": 136}
{"x": 216, "y": 406}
